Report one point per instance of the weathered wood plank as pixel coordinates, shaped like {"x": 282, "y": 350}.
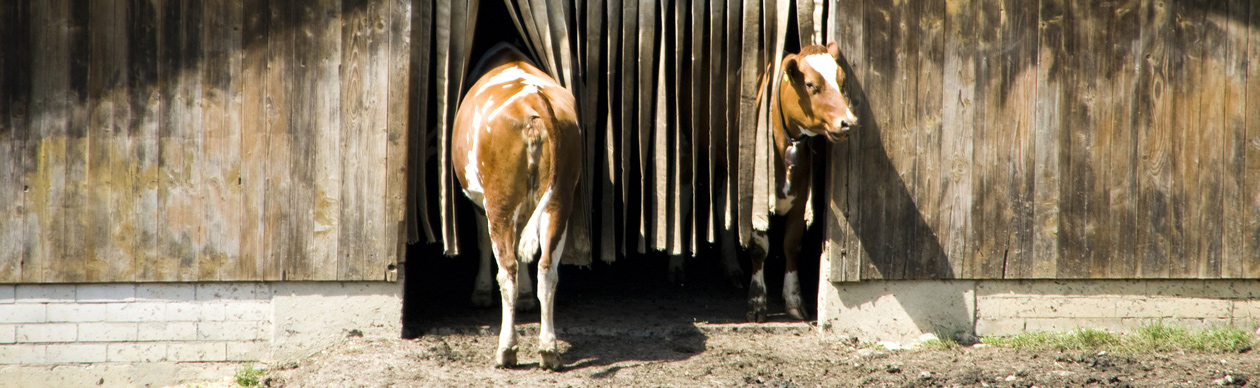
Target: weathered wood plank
{"x": 418, "y": 150}
{"x": 1115, "y": 181}
{"x": 255, "y": 32}
{"x": 278, "y": 211}
{"x": 145, "y": 105}
{"x": 991, "y": 209}
{"x": 79, "y": 251}
{"x": 1211, "y": 132}
{"x": 1077, "y": 133}
{"x": 660, "y": 151}
{"x": 702, "y": 227}
{"x": 1047, "y": 229}
{"x": 882, "y": 259}
{"x": 1153, "y": 97}
{"x": 591, "y": 126}
{"x": 221, "y": 165}
{"x": 356, "y": 82}
{"x": 901, "y": 143}
{"x": 300, "y": 105}
{"x": 179, "y": 142}
{"x": 717, "y": 119}
{"x": 374, "y": 262}
{"x": 1184, "y": 61}
{"x": 446, "y": 104}
{"x": 844, "y": 198}
{"x": 731, "y": 115}
{"x": 752, "y": 64}
{"x": 680, "y": 146}
{"x": 319, "y": 48}
{"x": 627, "y": 155}
{"x": 393, "y": 247}
{"x": 647, "y": 69}
{"x": 930, "y": 24}
{"x": 109, "y": 218}
{"x": 609, "y": 190}
{"x": 1020, "y": 71}
{"x": 1251, "y": 157}
{"x": 17, "y": 229}
{"x": 1233, "y": 250}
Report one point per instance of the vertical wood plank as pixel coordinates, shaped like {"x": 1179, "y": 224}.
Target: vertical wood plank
{"x": 94, "y": 221}
{"x": 1020, "y": 69}
{"x": 1153, "y": 111}
{"x": 928, "y": 161}
{"x": 1211, "y": 132}
{"x": 957, "y": 147}
{"x": 752, "y": 65}
{"x": 221, "y": 166}
{"x": 646, "y": 91}
{"x": 845, "y": 199}
{"x": 417, "y": 186}
{"x": 396, "y": 137}
{"x": 146, "y": 109}
{"x": 1047, "y": 229}
{"x": 376, "y": 138}
{"x": 1233, "y": 253}
{"x": 661, "y": 152}
{"x": 882, "y": 260}
{"x": 609, "y": 191}
{"x": 1251, "y": 157}
{"x": 17, "y": 142}
{"x": 179, "y": 142}
{"x": 593, "y": 28}
{"x": 991, "y": 210}
{"x": 702, "y": 229}
{"x": 300, "y": 105}
{"x": 717, "y": 119}
{"x": 50, "y": 76}
{"x": 1117, "y": 180}
{"x": 253, "y": 262}
{"x": 681, "y": 140}
{"x": 321, "y": 56}
{"x": 905, "y": 215}
{"x": 629, "y": 126}
{"x": 278, "y": 211}
{"x": 1076, "y": 137}
{"x": 1185, "y": 60}
{"x": 731, "y": 116}
{"x": 79, "y": 251}
{"x": 356, "y": 106}
{"x": 111, "y": 216}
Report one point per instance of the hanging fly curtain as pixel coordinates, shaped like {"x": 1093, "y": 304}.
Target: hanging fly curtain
{"x": 676, "y": 146}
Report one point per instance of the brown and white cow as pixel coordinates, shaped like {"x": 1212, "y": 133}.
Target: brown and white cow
{"x": 810, "y": 103}
{"x": 515, "y": 148}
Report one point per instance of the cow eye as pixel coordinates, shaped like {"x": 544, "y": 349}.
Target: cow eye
{"x": 811, "y": 87}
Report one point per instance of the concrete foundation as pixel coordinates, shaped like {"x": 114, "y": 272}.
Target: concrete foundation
{"x": 152, "y": 334}
{"x": 901, "y": 311}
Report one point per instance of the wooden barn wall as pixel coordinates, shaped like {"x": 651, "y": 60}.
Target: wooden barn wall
{"x": 999, "y": 138}
{"x": 202, "y": 141}
{"x": 1052, "y": 139}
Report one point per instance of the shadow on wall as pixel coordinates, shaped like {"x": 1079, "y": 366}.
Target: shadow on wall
{"x": 896, "y": 241}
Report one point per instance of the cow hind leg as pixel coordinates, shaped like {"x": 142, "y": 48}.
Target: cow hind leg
{"x": 505, "y": 253}
{"x": 483, "y": 288}
{"x": 757, "y": 311}
{"x": 555, "y": 234}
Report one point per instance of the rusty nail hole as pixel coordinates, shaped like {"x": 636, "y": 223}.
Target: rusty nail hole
{"x": 392, "y": 267}
{"x": 26, "y": 188}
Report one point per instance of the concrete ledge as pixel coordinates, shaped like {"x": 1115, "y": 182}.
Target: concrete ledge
{"x": 900, "y": 311}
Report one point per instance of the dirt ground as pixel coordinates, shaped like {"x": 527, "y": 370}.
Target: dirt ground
{"x": 746, "y": 358}
{"x": 644, "y": 332}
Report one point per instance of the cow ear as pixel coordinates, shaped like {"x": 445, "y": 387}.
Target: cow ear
{"x": 834, "y": 50}
{"x": 791, "y": 69}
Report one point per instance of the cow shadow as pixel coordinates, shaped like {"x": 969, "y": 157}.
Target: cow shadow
{"x": 897, "y": 242}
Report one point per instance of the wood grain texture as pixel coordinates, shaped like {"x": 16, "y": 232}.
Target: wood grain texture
{"x": 1233, "y": 253}
{"x": 1118, "y": 182}
{"x": 752, "y": 64}
{"x": 252, "y": 263}
{"x": 611, "y": 210}
{"x": 283, "y": 243}
{"x": 418, "y": 190}
{"x": 392, "y": 248}
{"x": 16, "y": 142}
{"x": 222, "y": 91}
{"x": 80, "y": 249}
{"x": 1184, "y": 58}
{"x": 1047, "y": 231}
{"x": 319, "y": 49}
{"x": 1209, "y": 155}
{"x": 1251, "y": 152}
{"x": 1153, "y": 111}
{"x": 357, "y": 88}
{"x": 852, "y": 45}
{"x": 647, "y": 65}
{"x": 930, "y": 24}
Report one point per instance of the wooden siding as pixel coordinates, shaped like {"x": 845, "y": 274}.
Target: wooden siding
{"x": 202, "y": 141}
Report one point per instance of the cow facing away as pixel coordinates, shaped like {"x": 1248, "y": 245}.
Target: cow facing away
{"x": 515, "y": 149}
{"x": 810, "y": 102}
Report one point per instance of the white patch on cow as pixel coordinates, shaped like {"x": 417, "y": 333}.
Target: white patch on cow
{"x": 531, "y": 234}
{"x": 512, "y": 74}
{"x": 792, "y": 290}
{"x": 759, "y": 282}
{"x": 472, "y": 175}
{"x": 826, "y": 65}
{"x": 783, "y": 205}
{"x": 525, "y": 91}
{"x": 806, "y": 131}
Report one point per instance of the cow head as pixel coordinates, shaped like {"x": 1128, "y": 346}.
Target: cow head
{"x": 810, "y": 93}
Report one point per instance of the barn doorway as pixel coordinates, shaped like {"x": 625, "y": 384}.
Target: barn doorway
{"x": 632, "y": 291}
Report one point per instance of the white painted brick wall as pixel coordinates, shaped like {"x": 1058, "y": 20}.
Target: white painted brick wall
{"x": 68, "y": 312}
{"x": 75, "y": 353}
{"x": 196, "y": 351}
{"x": 7, "y": 293}
{"x": 44, "y": 293}
{"x": 136, "y": 352}
{"x": 107, "y": 332}
{"x": 156, "y": 322}
{"x": 135, "y": 312}
{"x": 8, "y": 334}
{"x": 47, "y": 332}
{"x": 23, "y": 353}
{"x": 167, "y": 331}
{"x": 23, "y": 313}
{"x": 103, "y": 293}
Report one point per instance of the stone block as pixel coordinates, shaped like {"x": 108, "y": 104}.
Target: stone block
{"x": 23, "y": 313}
{"x": 47, "y": 332}
{"x": 72, "y": 312}
{"x": 75, "y": 353}
{"x": 248, "y": 351}
{"x": 197, "y": 351}
{"x": 166, "y": 292}
{"x": 8, "y": 334}
{"x": 135, "y": 312}
{"x": 44, "y": 293}
{"x": 232, "y": 291}
{"x": 229, "y": 331}
{"x": 107, "y": 332}
{"x": 166, "y": 331}
{"x": 23, "y": 354}
{"x": 248, "y": 311}
{"x": 136, "y": 352}
{"x": 7, "y": 292}
{"x": 105, "y": 293}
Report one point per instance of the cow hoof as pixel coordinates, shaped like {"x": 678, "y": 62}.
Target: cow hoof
{"x": 550, "y": 360}
{"x": 526, "y": 302}
{"x": 798, "y": 313}
{"x": 506, "y": 358}
{"x": 757, "y": 315}
{"x": 483, "y": 299}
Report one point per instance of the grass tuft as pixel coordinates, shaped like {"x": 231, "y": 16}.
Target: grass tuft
{"x": 249, "y": 376}
{"x": 1152, "y": 336}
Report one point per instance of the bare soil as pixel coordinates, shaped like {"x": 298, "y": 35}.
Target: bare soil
{"x": 644, "y": 332}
